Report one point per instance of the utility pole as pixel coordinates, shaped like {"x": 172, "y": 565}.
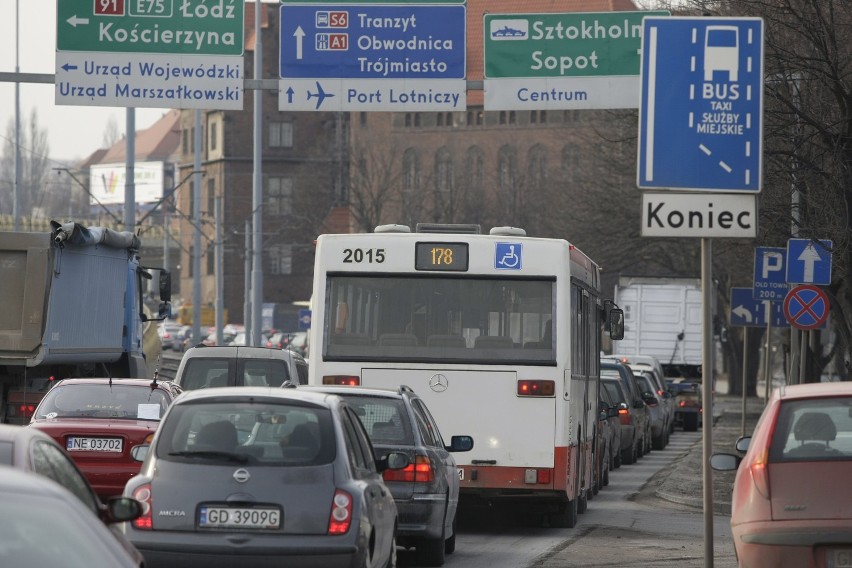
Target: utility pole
{"x": 16, "y": 205}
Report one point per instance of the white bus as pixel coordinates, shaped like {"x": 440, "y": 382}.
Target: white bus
{"x": 499, "y": 334}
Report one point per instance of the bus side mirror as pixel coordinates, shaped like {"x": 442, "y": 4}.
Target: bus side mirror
{"x": 615, "y": 321}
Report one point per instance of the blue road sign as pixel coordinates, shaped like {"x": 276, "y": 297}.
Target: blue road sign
{"x": 700, "y": 117}
{"x": 809, "y": 262}
{"x": 806, "y": 307}
{"x": 304, "y": 319}
{"x": 372, "y": 41}
{"x": 747, "y": 311}
{"x": 770, "y": 273}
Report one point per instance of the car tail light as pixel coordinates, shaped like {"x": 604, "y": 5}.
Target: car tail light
{"x": 344, "y": 380}
{"x": 418, "y": 472}
{"x": 760, "y": 472}
{"x": 143, "y": 495}
{"x": 536, "y": 388}
{"x": 689, "y": 403}
{"x": 26, "y": 410}
{"x": 341, "y": 513}
{"x": 624, "y": 416}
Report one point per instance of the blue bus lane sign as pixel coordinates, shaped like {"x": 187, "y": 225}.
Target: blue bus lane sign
{"x": 770, "y": 273}
{"x": 701, "y": 104}
{"x": 376, "y": 57}
{"x": 747, "y": 311}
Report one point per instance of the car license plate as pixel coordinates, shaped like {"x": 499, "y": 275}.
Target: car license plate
{"x": 84, "y": 444}
{"x": 840, "y": 558}
{"x": 236, "y": 517}
{"x": 461, "y": 474}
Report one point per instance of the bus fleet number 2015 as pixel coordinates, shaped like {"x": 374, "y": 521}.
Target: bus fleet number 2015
{"x": 363, "y": 255}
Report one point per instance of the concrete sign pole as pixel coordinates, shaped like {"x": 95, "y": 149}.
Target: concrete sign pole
{"x": 196, "y": 220}
{"x": 707, "y": 393}
{"x": 130, "y": 166}
{"x": 257, "y": 190}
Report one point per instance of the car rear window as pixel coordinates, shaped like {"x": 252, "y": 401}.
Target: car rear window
{"x": 813, "y": 430}
{"x": 103, "y": 400}
{"x": 252, "y": 432}
{"x": 384, "y": 419}
{"x": 614, "y": 390}
{"x": 204, "y": 372}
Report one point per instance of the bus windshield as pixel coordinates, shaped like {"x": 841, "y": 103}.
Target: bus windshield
{"x": 459, "y": 319}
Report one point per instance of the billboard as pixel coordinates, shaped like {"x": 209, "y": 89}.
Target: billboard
{"x": 106, "y": 182}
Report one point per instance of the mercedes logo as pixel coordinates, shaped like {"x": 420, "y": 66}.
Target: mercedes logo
{"x": 438, "y": 383}
{"x": 241, "y": 475}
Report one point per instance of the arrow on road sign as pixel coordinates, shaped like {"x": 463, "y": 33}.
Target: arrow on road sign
{"x": 299, "y": 34}
{"x": 809, "y": 257}
{"x": 74, "y": 20}
{"x": 743, "y": 312}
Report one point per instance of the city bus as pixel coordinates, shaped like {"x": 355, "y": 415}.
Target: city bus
{"x": 499, "y": 334}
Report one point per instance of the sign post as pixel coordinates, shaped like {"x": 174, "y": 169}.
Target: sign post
{"x": 373, "y": 57}
{"x": 157, "y": 53}
{"x": 563, "y": 61}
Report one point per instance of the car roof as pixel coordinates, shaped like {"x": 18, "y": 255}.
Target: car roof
{"x": 115, "y": 381}
{"x": 283, "y": 394}
{"x": 814, "y": 390}
{"x": 361, "y": 391}
{"x": 20, "y": 481}
{"x": 242, "y": 351}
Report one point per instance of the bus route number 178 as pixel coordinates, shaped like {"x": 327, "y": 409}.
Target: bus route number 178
{"x": 358, "y": 255}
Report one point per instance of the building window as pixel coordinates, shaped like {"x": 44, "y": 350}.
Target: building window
{"x": 185, "y": 141}
{"x": 211, "y": 260}
{"x": 533, "y": 116}
{"x": 280, "y": 134}
{"x": 502, "y": 117}
{"x": 536, "y": 168}
{"x": 475, "y": 168}
{"x": 417, "y": 120}
{"x": 280, "y": 195}
{"x": 211, "y": 196}
{"x": 363, "y": 119}
{"x": 444, "y": 171}
{"x": 411, "y": 169}
{"x": 190, "y": 262}
{"x": 191, "y": 199}
{"x": 280, "y": 259}
{"x": 506, "y": 168}
{"x": 513, "y": 118}
{"x": 408, "y": 120}
{"x": 212, "y": 130}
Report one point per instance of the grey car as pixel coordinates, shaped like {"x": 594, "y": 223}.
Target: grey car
{"x": 634, "y": 400}
{"x": 427, "y": 492}
{"x": 259, "y": 476}
{"x": 205, "y": 366}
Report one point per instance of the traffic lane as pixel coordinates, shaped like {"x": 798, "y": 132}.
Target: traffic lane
{"x": 619, "y": 515}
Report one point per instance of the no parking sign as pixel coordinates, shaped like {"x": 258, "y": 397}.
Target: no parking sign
{"x": 806, "y": 307}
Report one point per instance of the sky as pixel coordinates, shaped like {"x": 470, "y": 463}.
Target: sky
{"x": 73, "y": 132}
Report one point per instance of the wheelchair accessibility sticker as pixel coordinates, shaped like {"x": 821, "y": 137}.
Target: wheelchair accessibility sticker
{"x": 508, "y": 256}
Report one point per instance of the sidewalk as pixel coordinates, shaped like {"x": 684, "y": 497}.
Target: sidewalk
{"x": 682, "y": 482}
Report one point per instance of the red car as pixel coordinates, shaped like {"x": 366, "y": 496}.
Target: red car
{"x": 100, "y": 421}
{"x": 790, "y": 504}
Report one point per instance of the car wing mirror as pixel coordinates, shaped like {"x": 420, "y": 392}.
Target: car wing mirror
{"x": 138, "y": 453}
{"x": 742, "y": 444}
{"x": 122, "y": 509}
{"x": 724, "y": 462}
{"x": 460, "y": 444}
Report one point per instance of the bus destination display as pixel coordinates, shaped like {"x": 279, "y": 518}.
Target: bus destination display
{"x": 441, "y": 256}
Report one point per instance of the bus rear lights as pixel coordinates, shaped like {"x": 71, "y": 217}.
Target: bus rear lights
{"x": 343, "y": 380}
{"x": 536, "y": 388}
{"x": 536, "y": 476}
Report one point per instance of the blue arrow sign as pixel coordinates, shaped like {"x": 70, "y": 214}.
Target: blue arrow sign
{"x": 372, "y": 41}
{"x": 770, "y": 273}
{"x": 701, "y": 106}
{"x": 746, "y": 311}
{"x": 809, "y": 262}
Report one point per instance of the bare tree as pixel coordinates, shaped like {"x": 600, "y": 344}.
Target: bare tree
{"x": 34, "y": 149}
{"x": 111, "y": 134}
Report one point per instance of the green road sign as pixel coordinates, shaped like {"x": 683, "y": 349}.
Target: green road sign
{"x": 563, "y": 45}
{"x": 185, "y": 27}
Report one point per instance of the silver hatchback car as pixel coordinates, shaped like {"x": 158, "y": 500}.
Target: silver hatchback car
{"x": 258, "y": 476}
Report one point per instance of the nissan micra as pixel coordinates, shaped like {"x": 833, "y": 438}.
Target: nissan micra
{"x": 258, "y": 476}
